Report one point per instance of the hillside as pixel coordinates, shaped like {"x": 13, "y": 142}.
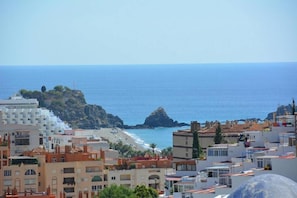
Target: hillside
{"x": 71, "y": 107}
{"x": 282, "y": 110}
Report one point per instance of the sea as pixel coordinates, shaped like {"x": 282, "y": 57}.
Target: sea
{"x": 187, "y": 92}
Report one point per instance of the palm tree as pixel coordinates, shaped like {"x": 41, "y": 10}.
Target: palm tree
{"x": 153, "y": 146}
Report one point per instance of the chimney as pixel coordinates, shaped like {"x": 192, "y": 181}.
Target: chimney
{"x": 48, "y": 190}
{"x": 59, "y": 149}
{"x": 67, "y": 149}
{"x": 85, "y": 148}
{"x": 102, "y": 155}
{"x": 14, "y": 191}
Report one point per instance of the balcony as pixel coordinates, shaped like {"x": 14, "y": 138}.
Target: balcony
{"x": 69, "y": 180}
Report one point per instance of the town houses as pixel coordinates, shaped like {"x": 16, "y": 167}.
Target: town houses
{"x": 42, "y": 157}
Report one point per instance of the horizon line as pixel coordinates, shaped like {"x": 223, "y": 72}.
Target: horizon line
{"x": 147, "y": 64}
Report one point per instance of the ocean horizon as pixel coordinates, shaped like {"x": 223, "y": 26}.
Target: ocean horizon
{"x": 200, "y": 92}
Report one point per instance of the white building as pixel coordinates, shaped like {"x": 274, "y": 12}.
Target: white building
{"x": 227, "y": 166}
{"x": 18, "y": 110}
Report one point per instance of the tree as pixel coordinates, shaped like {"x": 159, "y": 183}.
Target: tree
{"x": 153, "y": 146}
{"x": 145, "y": 192}
{"x": 218, "y": 136}
{"x": 196, "y": 148}
{"x": 116, "y": 191}
{"x": 293, "y": 107}
{"x": 167, "y": 151}
{"x": 43, "y": 89}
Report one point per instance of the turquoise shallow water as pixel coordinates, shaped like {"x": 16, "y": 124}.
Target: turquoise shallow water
{"x": 186, "y": 92}
{"x": 162, "y": 137}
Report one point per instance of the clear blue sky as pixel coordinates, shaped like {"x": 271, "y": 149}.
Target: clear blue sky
{"x": 147, "y": 31}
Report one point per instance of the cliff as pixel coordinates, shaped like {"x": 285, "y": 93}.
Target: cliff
{"x": 70, "y": 106}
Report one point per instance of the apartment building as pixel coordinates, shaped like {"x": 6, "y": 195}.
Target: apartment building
{"x": 18, "y": 110}
{"x": 268, "y": 149}
{"x": 149, "y": 171}
{"x": 72, "y": 172}
{"x": 20, "y": 173}
{"x": 16, "y": 172}
{"x": 183, "y": 139}
{"x": 22, "y": 137}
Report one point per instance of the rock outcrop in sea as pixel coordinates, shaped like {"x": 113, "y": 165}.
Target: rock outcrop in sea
{"x": 158, "y": 118}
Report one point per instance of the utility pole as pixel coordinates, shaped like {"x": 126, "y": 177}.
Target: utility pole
{"x": 295, "y": 118}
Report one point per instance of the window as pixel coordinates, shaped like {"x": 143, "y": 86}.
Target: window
{"x": 7, "y": 182}
{"x": 91, "y": 169}
{"x": 30, "y": 181}
{"x": 7, "y": 173}
{"x": 96, "y": 188}
{"x": 30, "y": 172}
{"x": 113, "y": 178}
{"x": 125, "y": 177}
{"x": 217, "y": 152}
{"x": 260, "y": 163}
{"x": 68, "y": 190}
{"x": 54, "y": 181}
{"x": 68, "y": 170}
{"x": 22, "y": 142}
{"x": 69, "y": 180}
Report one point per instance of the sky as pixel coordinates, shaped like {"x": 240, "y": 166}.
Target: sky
{"x": 103, "y": 32}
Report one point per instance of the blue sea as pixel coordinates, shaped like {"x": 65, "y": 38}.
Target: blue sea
{"x": 187, "y": 92}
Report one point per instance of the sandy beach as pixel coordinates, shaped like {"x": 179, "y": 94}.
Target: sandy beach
{"x": 113, "y": 135}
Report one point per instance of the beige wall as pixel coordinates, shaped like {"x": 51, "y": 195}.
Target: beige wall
{"x": 14, "y": 176}
{"x": 84, "y": 172}
{"x": 150, "y": 177}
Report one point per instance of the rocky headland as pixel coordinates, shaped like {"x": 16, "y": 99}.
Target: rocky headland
{"x": 281, "y": 110}
{"x": 71, "y": 107}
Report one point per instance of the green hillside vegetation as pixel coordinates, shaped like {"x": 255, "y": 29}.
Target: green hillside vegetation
{"x": 71, "y": 107}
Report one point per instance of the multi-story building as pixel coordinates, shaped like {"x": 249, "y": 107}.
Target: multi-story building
{"x": 22, "y": 173}
{"x": 183, "y": 139}
{"x": 149, "y": 171}
{"x": 22, "y": 137}
{"x": 18, "y": 110}
{"x": 17, "y": 172}
{"x": 225, "y": 166}
{"x": 73, "y": 172}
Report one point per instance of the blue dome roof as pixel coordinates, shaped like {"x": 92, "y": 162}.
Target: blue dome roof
{"x": 267, "y": 185}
